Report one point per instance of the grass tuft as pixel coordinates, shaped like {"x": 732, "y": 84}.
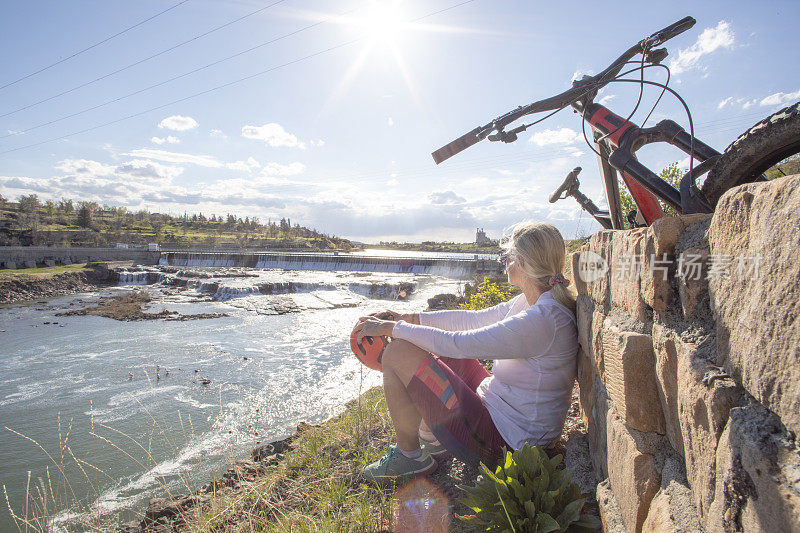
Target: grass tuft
{"x": 316, "y": 486}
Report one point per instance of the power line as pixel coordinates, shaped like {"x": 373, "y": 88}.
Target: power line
{"x": 195, "y": 95}
{"x": 92, "y": 46}
{"x": 224, "y": 85}
{"x": 179, "y": 76}
{"x": 139, "y": 62}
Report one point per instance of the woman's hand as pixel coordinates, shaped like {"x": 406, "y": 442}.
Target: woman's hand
{"x": 411, "y": 318}
{"x": 371, "y": 326}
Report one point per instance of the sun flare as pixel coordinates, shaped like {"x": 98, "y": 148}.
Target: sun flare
{"x": 383, "y": 22}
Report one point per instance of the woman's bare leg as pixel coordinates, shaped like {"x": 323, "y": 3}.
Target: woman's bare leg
{"x": 400, "y": 360}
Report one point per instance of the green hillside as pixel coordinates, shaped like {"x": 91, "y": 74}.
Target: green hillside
{"x": 30, "y": 222}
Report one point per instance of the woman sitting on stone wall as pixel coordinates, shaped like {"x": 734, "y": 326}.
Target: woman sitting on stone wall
{"x": 439, "y": 395}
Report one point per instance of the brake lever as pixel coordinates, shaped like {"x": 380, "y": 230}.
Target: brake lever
{"x": 505, "y": 136}
{"x": 656, "y": 56}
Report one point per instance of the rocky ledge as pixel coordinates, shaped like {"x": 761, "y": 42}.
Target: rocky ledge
{"x": 128, "y": 308}
{"x": 25, "y": 288}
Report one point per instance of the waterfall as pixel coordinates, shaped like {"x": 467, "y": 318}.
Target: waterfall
{"x": 141, "y": 278}
{"x": 446, "y": 267}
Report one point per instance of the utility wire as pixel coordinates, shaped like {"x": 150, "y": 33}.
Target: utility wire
{"x": 9, "y": 84}
{"x": 139, "y": 62}
{"x": 179, "y": 76}
{"x": 224, "y": 85}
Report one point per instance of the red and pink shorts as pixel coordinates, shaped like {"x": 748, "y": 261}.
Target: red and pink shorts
{"x": 444, "y": 392}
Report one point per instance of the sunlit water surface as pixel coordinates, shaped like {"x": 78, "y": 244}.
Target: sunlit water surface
{"x": 100, "y": 387}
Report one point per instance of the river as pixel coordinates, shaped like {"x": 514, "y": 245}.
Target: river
{"x": 116, "y": 412}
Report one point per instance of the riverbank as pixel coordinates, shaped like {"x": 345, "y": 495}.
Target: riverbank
{"x": 311, "y": 480}
{"x": 18, "y": 286}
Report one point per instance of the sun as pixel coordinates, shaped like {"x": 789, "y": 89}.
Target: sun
{"x": 383, "y": 22}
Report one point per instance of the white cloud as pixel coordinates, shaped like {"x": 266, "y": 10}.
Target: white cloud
{"x": 578, "y": 74}
{"x": 85, "y": 167}
{"x": 710, "y": 40}
{"x": 446, "y": 197}
{"x": 276, "y": 169}
{"x": 273, "y": 134}
{"x": 606, "y": 99}
{"x": 178, "y": 123}
{"x": 389, "y": 121}
{"x": 318, "y": 142}
{"x": 217, "y": 133}
{"x": 725, "y": 102}
{"x": 161, "y": 140}
{"x": 780, "y": 99}
{"x": 147, "y": 169}
{"x": 560, "y": 136}
{"x": 176, "y": 157}
{"x": 249, "y": 165}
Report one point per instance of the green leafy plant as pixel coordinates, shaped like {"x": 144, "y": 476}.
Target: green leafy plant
{"x": 486, "y": 295}
{"x": 527, "y": 492}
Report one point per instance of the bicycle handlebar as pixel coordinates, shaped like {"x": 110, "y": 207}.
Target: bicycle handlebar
{"x": 579, "y": 88}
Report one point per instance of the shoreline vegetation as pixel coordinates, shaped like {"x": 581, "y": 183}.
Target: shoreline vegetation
{"x": 311, "y": 481}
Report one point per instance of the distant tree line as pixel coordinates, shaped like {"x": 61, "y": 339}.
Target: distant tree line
{"x": 29, "y": 221}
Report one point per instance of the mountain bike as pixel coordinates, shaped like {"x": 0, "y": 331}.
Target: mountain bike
{"x": 616, "y": 140}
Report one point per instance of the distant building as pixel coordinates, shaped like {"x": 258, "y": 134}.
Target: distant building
{"x": 481, "y": 238}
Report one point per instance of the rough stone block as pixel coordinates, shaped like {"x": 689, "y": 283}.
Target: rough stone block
{"x": 758, "y": 475}
{"x": 633, "y": 469}
{"x": 629, "y": 377}
{"x": 692, "y": 281}
{"x": 593, "y": 269}
{"x": 584, "y": 311}
{"x": 657, "y": 260}
{"x": 756, "y": 309}
{"x": 705, "y": 398}
{"x": 577, "y": 459}
{"x": 577, "y": 276}
{"x": 50, "y": 262}
{"x": 610, "y": 514}
{"x": 626, "y": 276}
{"x": 665, "y": 346}
{"x": 590, "y": 319}
{"x": 586, "y": 380}
{"x": 672, "y": 509}
{"x": 594, "y": 403}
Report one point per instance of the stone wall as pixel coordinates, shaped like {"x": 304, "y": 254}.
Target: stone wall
{"x": 689, "y": 368}
{"x": 33, "y": 256}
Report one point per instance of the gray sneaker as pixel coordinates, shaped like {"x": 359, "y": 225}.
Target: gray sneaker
{"x": 432, "y": 447}
{"x": 396, "y": 465}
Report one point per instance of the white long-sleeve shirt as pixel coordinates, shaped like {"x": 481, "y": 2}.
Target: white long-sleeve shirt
{"x": 535, "y": 349}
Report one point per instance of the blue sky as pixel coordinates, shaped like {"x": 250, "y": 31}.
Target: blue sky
{"x": 337, "y": 134}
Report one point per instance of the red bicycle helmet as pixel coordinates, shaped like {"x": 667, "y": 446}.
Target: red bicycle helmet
{"x": 369, "y": 351}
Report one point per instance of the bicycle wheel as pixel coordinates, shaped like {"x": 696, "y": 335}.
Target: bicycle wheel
{"x": 770, "y": 142}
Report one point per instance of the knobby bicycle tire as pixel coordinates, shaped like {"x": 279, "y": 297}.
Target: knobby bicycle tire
{"x": 767, "y": 143}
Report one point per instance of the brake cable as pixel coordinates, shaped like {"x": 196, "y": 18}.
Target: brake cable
{"x": 683, "y": 103}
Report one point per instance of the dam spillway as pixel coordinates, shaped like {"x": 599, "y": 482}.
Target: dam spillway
{"x": 459, "y": 268}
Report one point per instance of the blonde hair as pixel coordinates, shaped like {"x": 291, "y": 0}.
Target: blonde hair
{"x": 542, "y": 249}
